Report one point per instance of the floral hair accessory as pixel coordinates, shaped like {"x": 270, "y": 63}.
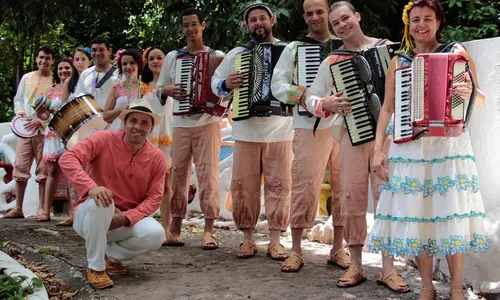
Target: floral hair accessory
{"x": 87, "y": 50}
{"x": 145, "y": 56}
{"x": 408, "y": 44}
{"x": 118, "y": 55}
{"x": 70, "y": 59}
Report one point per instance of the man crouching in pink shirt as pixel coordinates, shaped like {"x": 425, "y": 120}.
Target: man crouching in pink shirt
{"x": 122, "y": 187}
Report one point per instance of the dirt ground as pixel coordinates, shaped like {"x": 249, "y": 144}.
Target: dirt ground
{"x": 189, "y": 273}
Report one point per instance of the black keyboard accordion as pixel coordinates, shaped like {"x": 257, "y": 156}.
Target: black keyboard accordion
{"x": 358, "y": 76}
{"x": 309, "y": 57}
{"x": 254, "y": 98}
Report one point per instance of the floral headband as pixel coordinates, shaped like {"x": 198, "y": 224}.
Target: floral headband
{"x": 408, "y": 44}
{"x": 145, "y": 56}
{"x": 118, "y": 55}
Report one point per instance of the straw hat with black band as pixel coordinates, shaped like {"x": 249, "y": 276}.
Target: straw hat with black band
{"x": 140, "y": 106}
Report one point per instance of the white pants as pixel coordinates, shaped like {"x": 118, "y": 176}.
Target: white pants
{"x": 92, "y": 223}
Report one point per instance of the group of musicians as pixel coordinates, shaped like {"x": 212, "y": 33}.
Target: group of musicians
{"x": 289, "y": 144}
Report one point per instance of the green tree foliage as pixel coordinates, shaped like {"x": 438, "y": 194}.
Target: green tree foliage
{"x": 472, "y": 19}
{"x": 27, "y": 24}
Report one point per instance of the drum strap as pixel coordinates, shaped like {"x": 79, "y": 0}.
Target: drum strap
{"x": 105, "y": 78}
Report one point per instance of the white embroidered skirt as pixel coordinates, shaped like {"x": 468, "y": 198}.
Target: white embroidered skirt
{"x": 431, "y": 200}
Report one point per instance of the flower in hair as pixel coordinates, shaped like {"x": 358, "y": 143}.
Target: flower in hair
{"x": 87, "y": 50}
{"x": 118, "y": 55}
{"x": 68, "y": 58}
{"x": 407, "y": 42}
{"x": 406, "y": 13}
{"x": 144, "y": 56}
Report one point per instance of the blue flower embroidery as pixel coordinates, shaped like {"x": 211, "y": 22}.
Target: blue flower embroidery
{"x": 463, "y": 183}
{"x": 412, "y": 186}
{"x": 415, "y": 246}
{"x": 428, "y": 188}
{"x": 475, "y": 184}
{"x": 479, "y": 243}
{"x": 396, "y": 183}
{"x": 443, "y": 184}
{"x": 457, "y": 244}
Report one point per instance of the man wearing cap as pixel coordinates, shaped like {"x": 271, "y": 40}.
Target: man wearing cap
{"x": 121, "y": 187}
{"x": 308, "y": 170}
{"x": 263, "y": 145}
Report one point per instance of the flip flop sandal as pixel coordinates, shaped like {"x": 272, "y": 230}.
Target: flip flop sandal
{"x": 173, "y": 241}
{"x": 352, "y": 277}
{"x": 247, "y": 249}
{"x": 276, "y": 251}
{"x": 340, "y": 259}
{"x": 293, "y": 263}
{"x": 394, "y": 282}
{"x": 208, "y": 241}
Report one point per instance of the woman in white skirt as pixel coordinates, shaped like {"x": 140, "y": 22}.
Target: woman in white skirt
{"x": 430, "y": 203}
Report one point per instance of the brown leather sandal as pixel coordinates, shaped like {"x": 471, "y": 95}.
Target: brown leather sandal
{"x": 352, "y": 277}
{"x": 247, "y": 249}
{"x": 14, "y": 213}
{"x": 66, "y": 222}
{"x": 340, "y": 259}
{"x": 394, "y": 282}
{"x": 173, "y": 241}
{"x": 208, "y": 241}
{"x": 293, "y": 263}
{"x": 276, "y": 251}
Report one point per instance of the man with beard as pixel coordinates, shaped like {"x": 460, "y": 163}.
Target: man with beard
{"x": 32, "y": 86}
{"x": 121, "y": 187}
{"x": 356, "y": 170}
{"x": 98, "y": 80}
{"x": 195, "y": 136}
{"x": 308, "y": 170}
{"x": 263, "y": 145}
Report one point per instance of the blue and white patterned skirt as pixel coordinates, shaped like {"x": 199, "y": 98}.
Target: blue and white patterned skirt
{"x": 431, "y": 200}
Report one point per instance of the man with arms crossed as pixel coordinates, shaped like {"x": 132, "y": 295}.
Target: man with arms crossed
{"x": 121, "y": 187}
{"x": 312, "y": 153}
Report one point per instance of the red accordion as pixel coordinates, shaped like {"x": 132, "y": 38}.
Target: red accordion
{"x": 425, "y": 103}
{"x": 194, "y": 72}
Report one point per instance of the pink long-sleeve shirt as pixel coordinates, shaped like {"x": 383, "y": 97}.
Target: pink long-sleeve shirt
{"x": 137, "y": 182}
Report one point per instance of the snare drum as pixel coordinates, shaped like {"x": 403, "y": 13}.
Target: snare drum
{"x": 77, "y": 119}
{"x": 17, "y": 127}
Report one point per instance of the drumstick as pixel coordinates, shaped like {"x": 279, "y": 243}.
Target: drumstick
{"x": 129, "y": 90}
{"x": 139, "y": 87}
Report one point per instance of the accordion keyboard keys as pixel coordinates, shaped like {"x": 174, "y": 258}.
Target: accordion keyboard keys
{"x": 402, "y": 117}
{"x": 308, "y": 62}
{"x": 241, "y": 95}
{"x": 183, "y": 69}
{"x": 360, "y": 123}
